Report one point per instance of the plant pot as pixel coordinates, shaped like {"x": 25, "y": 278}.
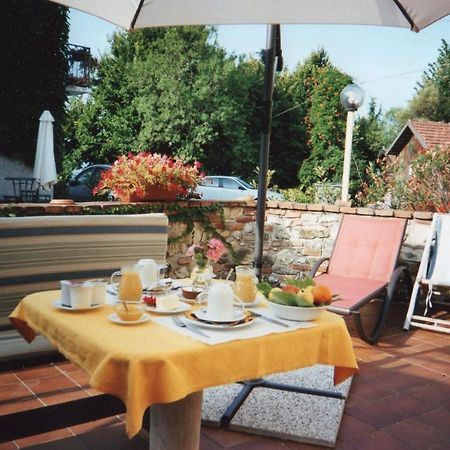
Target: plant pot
{"x": 152, "y": 193}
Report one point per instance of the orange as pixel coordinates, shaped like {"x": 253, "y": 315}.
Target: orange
{"x": 322, "y": 294}
{"x": 290, "y": 288}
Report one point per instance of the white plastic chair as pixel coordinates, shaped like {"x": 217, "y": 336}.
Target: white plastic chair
{"x": 433, "y": 276}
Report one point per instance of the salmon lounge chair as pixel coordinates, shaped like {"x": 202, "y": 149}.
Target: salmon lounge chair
{"x": 433, "y": 280}
{"x": 363, "y": 267}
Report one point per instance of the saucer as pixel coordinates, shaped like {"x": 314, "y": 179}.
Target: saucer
{"x": 202, "y": 314}
{"x": 116, "y": 319}
{"x": 57, "y": 304}
{"x": 246, "y": 321}
{"x": 182, "y": 308}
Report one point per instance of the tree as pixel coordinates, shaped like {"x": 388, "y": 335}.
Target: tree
{"x": 326, "y": 126}
{"x": 172, "y": 91}
{"x": 33, "y": 47}
{"x": 432, "y": 99}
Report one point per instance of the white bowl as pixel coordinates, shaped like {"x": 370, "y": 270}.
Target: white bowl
{"x": 298, "y": 313}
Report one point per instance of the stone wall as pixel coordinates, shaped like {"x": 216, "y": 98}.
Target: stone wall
{"x": 296, "y": 235}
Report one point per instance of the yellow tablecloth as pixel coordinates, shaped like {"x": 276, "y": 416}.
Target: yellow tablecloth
{"x": 148, "y": 363}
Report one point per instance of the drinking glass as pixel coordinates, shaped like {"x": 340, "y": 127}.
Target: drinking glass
{"x": 245, "y": 284}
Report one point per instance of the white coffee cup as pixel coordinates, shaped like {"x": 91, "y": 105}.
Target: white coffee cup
{"x": 148, "y": 272}
{"x": 65, "y": 292}
{"x": 81, "y": 295}
{"x": 98, "y": 291}
{"x": 220, "y": 303}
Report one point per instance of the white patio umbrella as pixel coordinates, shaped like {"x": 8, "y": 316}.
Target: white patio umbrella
{"x": 44, "y": 163}
{"x": 133, "y": 14}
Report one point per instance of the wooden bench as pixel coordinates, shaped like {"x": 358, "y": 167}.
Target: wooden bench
{"x": 37, "y": 252}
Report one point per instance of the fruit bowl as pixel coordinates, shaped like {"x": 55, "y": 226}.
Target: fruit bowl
{"x": 297, "y": 313}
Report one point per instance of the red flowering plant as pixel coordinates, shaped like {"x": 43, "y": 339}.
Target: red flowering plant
{"x": 135, "y": 173}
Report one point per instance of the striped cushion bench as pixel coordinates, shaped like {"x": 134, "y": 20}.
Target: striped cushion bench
{"x": 37, "y": 252}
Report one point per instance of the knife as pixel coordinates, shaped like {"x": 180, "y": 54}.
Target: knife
{"x": 269, "y": 319}
{"x": 178, "y": 322}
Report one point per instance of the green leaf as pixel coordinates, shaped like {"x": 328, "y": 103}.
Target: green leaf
{"x": 265, "y": 288}
{"x": 301, "y": 284}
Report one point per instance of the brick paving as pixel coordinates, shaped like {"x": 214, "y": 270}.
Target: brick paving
{"x": 400, "y": 400}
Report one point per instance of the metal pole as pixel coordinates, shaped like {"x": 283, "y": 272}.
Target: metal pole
{"x": 347, "y": 156}
{"x": 269, "y": 81}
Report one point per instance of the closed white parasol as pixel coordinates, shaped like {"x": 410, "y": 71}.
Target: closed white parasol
{"x": 44, "y": 164}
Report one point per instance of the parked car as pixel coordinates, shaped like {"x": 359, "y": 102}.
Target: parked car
{"x": 83, "y": 181}
{"x": 230, "y": 188}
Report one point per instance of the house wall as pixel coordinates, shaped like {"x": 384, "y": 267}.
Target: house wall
{"x": 409, "y": 153}
{"x": 11, "y": 168}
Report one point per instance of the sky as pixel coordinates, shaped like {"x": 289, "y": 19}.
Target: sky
{"x": 385, "y": 62}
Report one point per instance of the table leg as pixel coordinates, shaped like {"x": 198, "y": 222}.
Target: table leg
{"x": 176, "y": 426}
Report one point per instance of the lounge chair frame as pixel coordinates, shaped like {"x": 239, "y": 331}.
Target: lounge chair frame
{"x": 384, "y": 293}
{"x": 423, "y": 281}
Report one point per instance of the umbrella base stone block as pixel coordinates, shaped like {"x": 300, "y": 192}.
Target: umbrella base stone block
{"x": 280, "y": 414}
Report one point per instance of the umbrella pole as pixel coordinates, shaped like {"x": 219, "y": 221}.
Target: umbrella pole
{"x": 273, "y": 49}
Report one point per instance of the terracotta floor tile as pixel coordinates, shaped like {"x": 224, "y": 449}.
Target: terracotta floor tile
{"x": 301, "y": 446}
{"x": 370, "y": 389}
{"x": 441, "y": 366}
{"x": 227, "y": 439}
{"x": 7, "y": 378}
{"x": 52, "y": 399}
{"x": 25, "y": 405}
{"x": 8, "y": 446}
{"x": 388, "y": 410}
{"x": 378, "y": 440}
{"x": 102, "y": 437}
{"x": 80, "y": 377}
{"x": 14, "y": 391}
{"x": 415, "y": 434}
{"x": 37, "y": 372}
{"x": 67, "y": 367}
{"x": 90, "y": 426}
{"x": 261, "y": 444}
{"x": 352, "y": 428}
{"x": 437, "y": 418}
{"x": 44, "y": 437}
{"x": 435, "y": 394}
{"x": 67, "y": 443}
{"x": 47, "y": 385}
{"x": 206, "y": 443}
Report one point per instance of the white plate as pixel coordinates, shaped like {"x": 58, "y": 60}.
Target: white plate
{"x": 218, "y": 326}
{"x": 202, "y": 314}
{"x": 116, "y": 319}
{"x": 57, "y": 304}
{"x": 182, "y": 308}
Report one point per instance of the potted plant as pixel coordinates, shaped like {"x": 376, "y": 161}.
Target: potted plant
{"x": 149, "y": 176}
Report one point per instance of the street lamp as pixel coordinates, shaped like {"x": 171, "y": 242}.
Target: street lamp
{"x": 352, "y": 97}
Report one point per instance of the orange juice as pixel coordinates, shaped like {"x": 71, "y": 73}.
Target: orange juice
{"x": 244, "y": 286}
{"x": 130, "y": 287}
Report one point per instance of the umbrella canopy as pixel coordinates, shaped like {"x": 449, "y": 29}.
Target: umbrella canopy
{"x": 44, "y": 164}
{"x": 132, "y": 14}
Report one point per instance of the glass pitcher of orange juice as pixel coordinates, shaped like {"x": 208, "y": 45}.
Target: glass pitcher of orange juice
{"x": 245, "y": 284}
{"x": 130, "y": 286}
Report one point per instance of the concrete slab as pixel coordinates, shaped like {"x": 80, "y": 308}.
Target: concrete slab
{"x": 281, "y": 414}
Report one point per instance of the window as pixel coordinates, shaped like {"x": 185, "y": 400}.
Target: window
{"x": 229, "y": 183}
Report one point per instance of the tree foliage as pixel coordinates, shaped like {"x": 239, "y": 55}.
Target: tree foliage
{"x": 432, "y": 99}
{"x": 325, "y": 121}
{"x": 33, "y": 47}
{"x": 175, "y": 91}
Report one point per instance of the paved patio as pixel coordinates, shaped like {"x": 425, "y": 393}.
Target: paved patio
{"x": 399, "y": 400}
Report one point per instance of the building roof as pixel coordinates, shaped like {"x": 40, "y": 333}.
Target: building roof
{"x": 429, "y": 134}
